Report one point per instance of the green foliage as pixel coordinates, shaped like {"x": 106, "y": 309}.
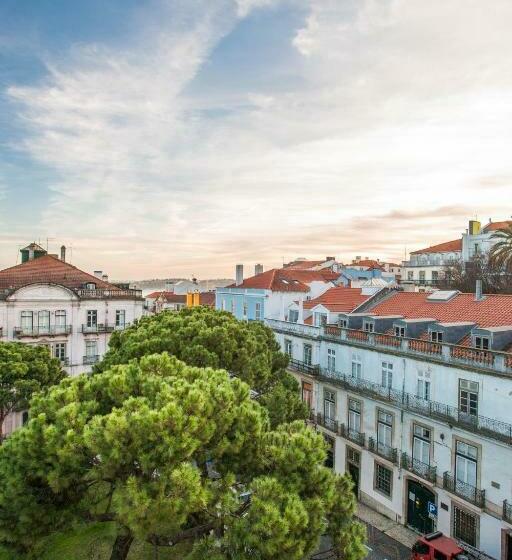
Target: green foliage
{"x": 164, "y": 450}
{"x": 501, "y": 253}
{"x": 24, "y": 370}
{"x": 203, "y": 337}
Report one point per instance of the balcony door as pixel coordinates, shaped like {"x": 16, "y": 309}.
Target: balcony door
{"x": 43, "y": 322}
{"x": 27, "y": 321}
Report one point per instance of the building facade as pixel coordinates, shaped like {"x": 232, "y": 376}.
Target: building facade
{"x": 413, "y": 393}
{"x": 46, "y": 301}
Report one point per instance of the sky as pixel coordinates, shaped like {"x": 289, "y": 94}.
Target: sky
{"x": 160, "y": 138}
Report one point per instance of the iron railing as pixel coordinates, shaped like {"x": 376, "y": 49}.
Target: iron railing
{"x": 483, "y": 425}
{"x": 304, "y": 367}
{"x": 309, "y": 331}
{"x": 423, "y": 470}
{"x": 389, "y": 453}
{"x": 88, "y": 360}
{"x": 95, "y": 329}
{"x": 353, "y": 435}
{"x": 464, "y": 490}
{"x": 108, "y": 293}
{"x": 507, "y": 511}
{"x": 52, "y": 330}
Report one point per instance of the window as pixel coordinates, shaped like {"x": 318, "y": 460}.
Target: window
{"x": 91, "y": 348}
{"x": 435, "y": 275}
{"x": 258, "y": 312}
{"x": 368, "y": 326}
{"x": 288, "y": 347}
{"x": 233, "y": 306}
{"x": 308, "y": 353}
{"x": 400, "y": 331}
{"x": 223, "y": 305}
{"x": 482, "y": 342}
{"x": 245, "y": 310}
{"x": 343, "y": 323}
{"x": 422, "y": 276}
{"x": 384, "y": 429}
{"x": 436, "y": 336}
{"x": 320, "y": 319}
{"x": 59, "y": 351}
{"x": 43, "y": 322}
{"x": 331, "y": 359}
{"x": 410, "y": 275}
{"x": 353, "y": 456}
{"x": 423, "y": 389}
{"x": 307, "y": 393}
{"x": 329, "y": 407}
{"x": 354, "y": 415}
{"x": 26, "y": 321}
{"x": 120, "y": 318}
{"x": 293, "y": 316}
{"x": 421, "y": 444}
{"x": 466, "y": 463}
{"x": 468, "y": 397}
{"x": 383, "y": 479}
{"x": 465, "y": 526}
{"x": 90, "y": 286}
{"x": 60, "y": 320}
{"x": 92, "y": 319}
{"x": 24, "y": 417}
{"x": 329, "y": 459}
{"x": 357, "y": 366}
{"x": 387, "y": 375}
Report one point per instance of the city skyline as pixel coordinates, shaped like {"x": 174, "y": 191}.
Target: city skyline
{"x": 164, "y": 138}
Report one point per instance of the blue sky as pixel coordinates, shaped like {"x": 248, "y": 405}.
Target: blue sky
{"x": 178, "y": 137}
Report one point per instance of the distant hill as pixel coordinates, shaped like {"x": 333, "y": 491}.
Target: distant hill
{"x": 158, "y": 284}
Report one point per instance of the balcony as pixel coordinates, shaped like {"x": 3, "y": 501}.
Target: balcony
{"x": 53, "y": 330}
{"x": 418, "y": 468}
{"x": 507, "y": 511}
{"x": 64, "y": 361}
{"x": 304, "y": 367}
{"x": 328, "y": 423}
{"x": 389, "y": 453}
{"x": 353, "y": 435}
{"x": 97, "y": 329}
{"x": 463, "y": 490}
{"x": 488, "y": 427}
{"x": 89, "y": 360}
{"x": 307, "y": 331}
{"x": 109, "y": 294}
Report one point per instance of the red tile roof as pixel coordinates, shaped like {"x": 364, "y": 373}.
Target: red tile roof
{"x": 51, "y": 270}
{"x": 207, "y": 298}
{"x": 493, "y": 226}
{"x": 494, "y": 310}
{"x": 370, "y": 263}
{"x": 303, "y": 265}
{"x": 339, "y": 299}
{"x": 284, "y": 280}
{"x": 446, "y": 247}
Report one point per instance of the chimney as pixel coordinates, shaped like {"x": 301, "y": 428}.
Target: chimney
{"x": 478, "y": 291}
{"x": 169, "y": 287}
{"x": 239, "y": 274}
{"x": 104, "y": 277}
{"x": 258, "y": 269}
{"x": 98, "y": 273}
{"x": 63, "y": 253}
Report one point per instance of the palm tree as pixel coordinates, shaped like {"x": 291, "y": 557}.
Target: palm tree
{"x": 501, "y": 254}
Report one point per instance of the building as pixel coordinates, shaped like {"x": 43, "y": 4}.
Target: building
{"x": 267, "y": 295}
{"x": 426, "y": 267}
{"x": 160, "y": 301}
{"x": 47, "y": 301}
{"x": 329, "y": 263}
{"x": 413, "y": 394}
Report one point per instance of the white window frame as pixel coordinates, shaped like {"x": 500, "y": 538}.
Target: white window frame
{"x": 387, "y": 375}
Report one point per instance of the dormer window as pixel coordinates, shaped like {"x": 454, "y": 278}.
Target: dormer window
{"x": 482, "y": 342}
{"x": 368, "y": 326}
{"x": 343, "y": 323}
{"x": 293, "y": 316}
{"x": 90, "y": 286}
{"x": 436, "y": 336}
{"x": 400, "y": 331}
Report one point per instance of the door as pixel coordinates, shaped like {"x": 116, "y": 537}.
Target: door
{"x": 353, "y": 471}
{"x": 508, "y": 546}
{"x": 353, "y": 463}
{"x": 417, "y": 507}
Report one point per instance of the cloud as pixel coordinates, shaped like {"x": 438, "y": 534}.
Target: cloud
{"x": 391, "y": 116}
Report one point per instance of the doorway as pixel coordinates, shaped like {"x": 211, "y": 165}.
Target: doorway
{"x": 418, "y": 498}
{"x": 353, "y": 467}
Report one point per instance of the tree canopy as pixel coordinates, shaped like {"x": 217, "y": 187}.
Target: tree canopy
{"x": 170, "y": 452}
{"x": 501, "y": 253}
{"x": 24, "y": 370}
{"x": 204, "y": 337}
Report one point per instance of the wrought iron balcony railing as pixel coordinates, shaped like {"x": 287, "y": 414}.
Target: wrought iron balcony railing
{"x": 389, "y": 453}
{"x": 109, "y": 293}
{"x": 99, "y": 328}
{"x": 52, "y": 330}
{"x": 88, "y": 360}
{"x": 353, "y": 435}
{"x": 304, "y": 367}
{"x": 483, "y": 425}
{"x": 419, "y": 468}
{"x": 464, "y": 490}
{"x": 507, "y": 511}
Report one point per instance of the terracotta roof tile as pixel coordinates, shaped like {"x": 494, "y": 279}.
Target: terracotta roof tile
{"x": 284, "y": 280}
{"x": 494, "y": 310}
{"x": 493, "y": 226}
{"x": 370, "y": 263}
{"x": 446, "y": 247}
{"x": 339, "y": 299}
{"x": 51, "y": 270}
{"x": 302, "y": 265}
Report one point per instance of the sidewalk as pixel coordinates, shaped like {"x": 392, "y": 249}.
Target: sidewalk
{"x": 389, "y": 527}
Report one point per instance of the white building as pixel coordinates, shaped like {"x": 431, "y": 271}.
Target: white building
{"x": 47, "y": 301}
{"x": 413, "y": 393}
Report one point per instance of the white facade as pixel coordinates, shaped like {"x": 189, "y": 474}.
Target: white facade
{"x": 75, "y": 324}
{"x": 425, "y": 270}
{"x": 394, "y": 415}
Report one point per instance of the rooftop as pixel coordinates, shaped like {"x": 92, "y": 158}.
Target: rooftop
{"x": 493, "y": 226}
{"x": 339, "y": 299}
{"x": 285, "y": 280}
{"x": 446, "y": 247}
